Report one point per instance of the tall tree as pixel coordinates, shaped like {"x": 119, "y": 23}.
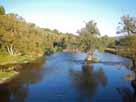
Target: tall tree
{"x": 88, "y": 37}
{"x": 127, "y": 25}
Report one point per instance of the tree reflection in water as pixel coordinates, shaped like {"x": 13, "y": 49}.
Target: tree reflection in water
{"x": 17, "y": 89}
{"x": 127, "y": 94}
{"x": 87, "y": 81}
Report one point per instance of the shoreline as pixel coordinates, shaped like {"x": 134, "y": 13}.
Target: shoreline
{"x": 6, "y": 76}
{"x": 114, "y": 51}
{"x": 7, "y": 79}
{"x": 18, "y": 59}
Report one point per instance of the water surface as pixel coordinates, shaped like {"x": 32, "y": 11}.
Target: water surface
{"x": 62, "y": 77}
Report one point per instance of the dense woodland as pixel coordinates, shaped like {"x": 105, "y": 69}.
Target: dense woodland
{"x": 18, "y": 37}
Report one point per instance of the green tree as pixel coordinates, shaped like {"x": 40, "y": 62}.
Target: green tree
{"x": 127, "y": 25}
{"x": 105, "y": 42}
{"x": 128, "y": 29}
{"x": 2, "y": 10}
{"x": 88, "y": 37}
{"x": 128, "y": 48}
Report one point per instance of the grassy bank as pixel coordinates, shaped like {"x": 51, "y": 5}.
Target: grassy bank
{"x": 6, "y": 59}
{"x": 5, "y": 76}
{"x": 111, "y": 50}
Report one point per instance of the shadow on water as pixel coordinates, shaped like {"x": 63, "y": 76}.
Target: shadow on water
{"x": 87, "y": 81}
{"x": 17, "y": 89}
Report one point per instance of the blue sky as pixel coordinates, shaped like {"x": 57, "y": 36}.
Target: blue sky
{"x": 71, "y": 15}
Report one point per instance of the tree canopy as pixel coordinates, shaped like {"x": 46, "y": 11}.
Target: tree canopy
{"x": 90, "y": 38}
{"x": 2, "y": 10}
{"x": 127, "y": 26}
{"x": 128, "y": 43}
{"x": 17, "y": 37}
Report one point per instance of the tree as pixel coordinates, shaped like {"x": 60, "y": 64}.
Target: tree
{"x": 127, "y": 25}
{"x": 19, "y": 37}
{"x": 88, "y": 37}
{"x": 128, "y": 29}
{"x": 129, "y": 48}
{"x": 71, "y": 41}
{"x": 105, "y": 42}
{"x": 2, "y": 10}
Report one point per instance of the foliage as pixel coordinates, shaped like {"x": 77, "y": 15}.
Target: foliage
{"x": 105, "y": 42}
{"x": 20, "y": 38}
{"x": 88, "y": 37}
{"x": 127, "y": 25}
{"x": 128, "y": 46}
{"x": 2, "y": 10}
{"x": 128, "y": 43}
{"x": 71, "y": 41}
{"x": 17, "y": 37}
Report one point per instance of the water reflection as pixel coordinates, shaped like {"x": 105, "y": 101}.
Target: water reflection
{"x": 87, "y": 81}
{"x": 64, "y": 78}
{"x": 127, "y": 94}
{"x": 133, "y": 83}
{"x": 17, "y": 89}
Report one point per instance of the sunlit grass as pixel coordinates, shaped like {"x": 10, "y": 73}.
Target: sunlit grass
{"x": 6, "y": 59}
{"x": 6, "y": 76}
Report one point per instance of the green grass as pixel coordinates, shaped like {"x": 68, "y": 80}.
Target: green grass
{"x": 7, "y": 75}
{"x": 7, "y": 59}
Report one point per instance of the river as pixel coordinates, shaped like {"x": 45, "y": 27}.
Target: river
{"x": 63, "y": 77}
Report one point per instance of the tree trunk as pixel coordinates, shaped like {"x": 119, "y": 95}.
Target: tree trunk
{"x": 89, "y": 58}
{"x": 10, "y": 49}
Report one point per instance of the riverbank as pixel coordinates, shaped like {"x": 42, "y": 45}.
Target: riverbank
{"x": 111, "y": 50}
{"x": 6, "y": 59}
{"x": 6, "y": 74}
{"x": 118, "y": 51}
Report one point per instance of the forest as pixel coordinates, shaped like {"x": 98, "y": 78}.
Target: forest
{"x": 20, "y": 38}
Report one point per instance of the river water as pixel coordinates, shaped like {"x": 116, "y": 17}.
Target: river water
{"x": 63, "y": 77}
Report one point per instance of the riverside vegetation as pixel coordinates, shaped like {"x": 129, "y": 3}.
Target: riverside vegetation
{"x": 23, "y": 42}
